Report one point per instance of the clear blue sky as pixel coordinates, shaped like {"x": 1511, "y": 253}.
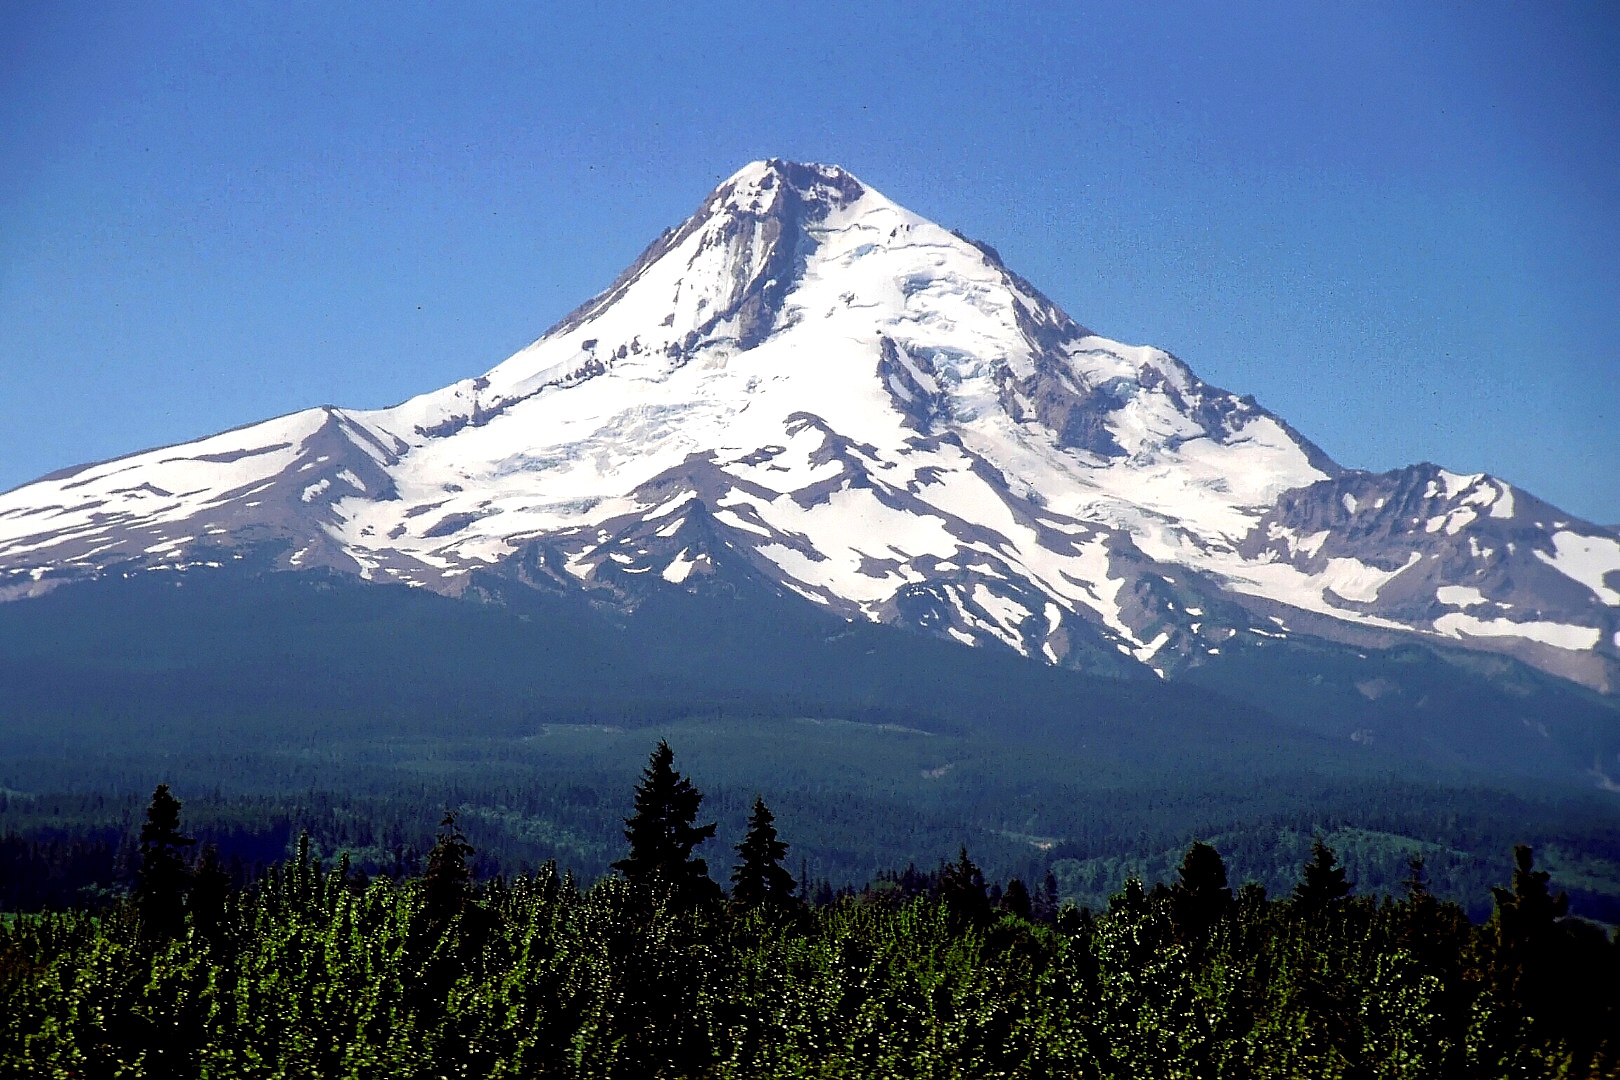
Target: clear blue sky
{"x": 1398, "y": 225}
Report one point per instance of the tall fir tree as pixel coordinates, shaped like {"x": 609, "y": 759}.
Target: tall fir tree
{"x": 1016, "y": 899}
{"x": 1322, "y": 883}
{"x": 447, "y": 882}
{"x": 210, "y": 898}
{"x": 662, "y": 834}
{"x": 760, "y": 879}
{"x": 1047, "y": 902}
{"x": 163, "y": 879}
{"x": 1415, "y": 885}
{"x": 1521, "y": 928}
{"x": 1200, "y": 898}
{"x": 962, "y": 888}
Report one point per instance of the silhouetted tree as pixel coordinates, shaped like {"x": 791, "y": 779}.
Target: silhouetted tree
{"x": 1130, "y": 900}
{"x": 1322, "y": 882}
{"x": 1046, "y": 904}
{"x": 447, "y": 883}
{"x": 438, "y": 945}
{"x": 961, "y": 887}
{"x": 1016, "y": 899}
{"x": 760, "y": 877}
{"x": 662, "y": 834}
{"x": 162, "y": 880}
{"x": 1529, "y": 910}
{"x": 1200, "y": 897}
{"x": 1524, "y": 933}
{"x": 210, "y": 896}
{"x": 1416, "y": 882}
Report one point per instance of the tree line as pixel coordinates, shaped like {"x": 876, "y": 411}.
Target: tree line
{"x": 654, "y": 971}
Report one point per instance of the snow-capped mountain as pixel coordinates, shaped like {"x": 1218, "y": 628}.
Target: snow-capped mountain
{"x": 809, "y": 385}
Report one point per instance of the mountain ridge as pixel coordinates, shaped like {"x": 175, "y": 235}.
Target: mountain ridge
{"x": 878, "y": 415}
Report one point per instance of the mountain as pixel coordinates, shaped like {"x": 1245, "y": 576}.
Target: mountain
{"x": 809, "y": 389}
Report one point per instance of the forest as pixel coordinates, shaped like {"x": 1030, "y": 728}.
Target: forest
{"x": 311, "y": 968}
{"x": 279, "y": 704}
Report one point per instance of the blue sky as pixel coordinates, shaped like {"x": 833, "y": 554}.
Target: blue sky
{"x": 1397, "y": 225}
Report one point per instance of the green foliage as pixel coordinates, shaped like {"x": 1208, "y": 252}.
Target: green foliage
{"x": 311, "y": 972}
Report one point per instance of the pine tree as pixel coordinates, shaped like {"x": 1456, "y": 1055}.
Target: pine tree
{"x": 162, "y": 880}
{"x": 447, "y": 883}
{"x": 210, "y": 897}
{"x": 759, "y": 877}
{"x": 1530, "y": 909}
{"x": 1322, "y": 883}
{"x": 662, "y": 834}
{"x": 962, "y": 889}
{"x": 1201, "y": 898}
{"x": 1047, "y": 903}
{"x": 1416, "y": 882}
{"x": 1525, "y": 920}
{"x": 1016, "y": 899}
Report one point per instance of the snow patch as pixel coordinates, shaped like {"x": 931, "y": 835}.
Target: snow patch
{"x": 1354, "y": 580}
{"x": 1460, "y": 596}
{"x": 1147, "y": 652}
{"x": 726, "y": 517}
{"x": 679, "y": 568}
{"x": 1587, "y": 559}
{"x": 669, "y": 506}
{"x": 1559, "y": 635}
{"x": 1310, "y": 545}
{"x": 1453, "y": 521}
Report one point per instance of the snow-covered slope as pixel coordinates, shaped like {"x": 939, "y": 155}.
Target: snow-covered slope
{"x": 809, "y": 385}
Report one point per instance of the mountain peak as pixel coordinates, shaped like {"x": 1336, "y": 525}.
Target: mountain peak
{"x": 868, "y": 410}
{"x": 773, "y": 185}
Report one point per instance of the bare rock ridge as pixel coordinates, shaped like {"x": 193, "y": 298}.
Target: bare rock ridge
{"x": 810, "y": 386}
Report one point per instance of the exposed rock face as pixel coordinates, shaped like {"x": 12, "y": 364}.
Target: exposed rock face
{"x": 809, "y": 388}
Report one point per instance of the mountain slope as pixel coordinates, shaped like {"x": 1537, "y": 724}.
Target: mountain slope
{"x": 807, "y": 385}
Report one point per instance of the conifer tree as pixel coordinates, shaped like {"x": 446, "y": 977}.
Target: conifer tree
{"x": 1530, "y": 908}
{"x": 210, "y": 896}
{"x": 961, "y": 887}
{"x": 1016, "y": 899}
{"x": 662, "y": 834}
{"x": 1201, "y": 897}
{"x": 1525, "y": 920}
{"x": 1322, "y": 882}
{"x": 447, "y": 883}
{"x": 1047, "y": 903}
{"x": 162, "y": 880}
{"x": 1131, "y": 900}
{"x": 760, "y": 877}
{"x": 1416, "y": 882}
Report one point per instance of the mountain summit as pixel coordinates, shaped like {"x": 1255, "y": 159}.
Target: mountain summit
{"x": 809, "y": 387}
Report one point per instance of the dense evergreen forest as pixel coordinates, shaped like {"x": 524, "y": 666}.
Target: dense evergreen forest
{"x": 279, "y": 704}
{"x": 311, "y": 968}
{"x": 856, "y": 798}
